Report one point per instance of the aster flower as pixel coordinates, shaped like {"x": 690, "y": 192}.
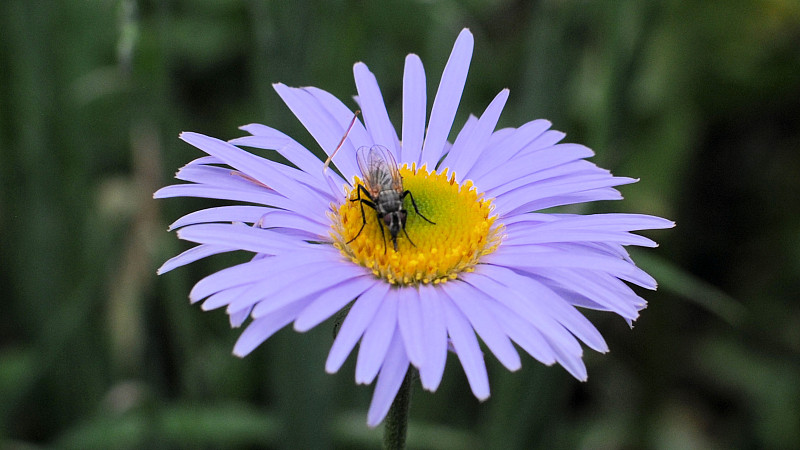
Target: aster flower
{"x": 473, "y": 259}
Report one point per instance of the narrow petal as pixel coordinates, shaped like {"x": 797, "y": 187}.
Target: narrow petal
{"x": 331, "y": 301}
{"x": 476, "y": 307}
{"x": 265, "y": 290}
{"x": 241, "y": 237}
{"x": 519, "y": 330}
{"x": 602, "y": 249}
{"x": 502, "y": 284}
{"x": 536, "y": 236}
{"x": 277, "y": 218}
{"x": 269, "y": 138}
{"x": 523, "y": 166}
{"x": 504, "y": 149}
{"x": 355, "y": 323}
{"x": 203, "y": 160}
{"x": 410, "y": 323}
{"x": 566, "y": 348}
{"x": 567, "y": 315}
{"x": 468, "y": 351}
{"x": 261, "y": 329}
{"x": 225, "y": 183}
{"x": 607, "y": 221}
{"x": 193, "y": 254}
{"x": 248, "y": 195}
{"x": 377, "y": 337}
{"x": 593, "y": 301}
{"x": 521, "y": 199}
{"x": 414, "y": 110}
{"x": 462, "y": 140}
{"x": 236, "y": 320}
{"x": 260, "y": 216}
{"x": 434, "y": 325}
{"x": 547, "y": 139}
{"x": 217, "y": 177}
{"x": 624, "y": 222}
{"x": 223, "y": 298}
{"x": 252, "y": 272}
{"x": 246, "y": 214}
{"x": 525, "y": 335}
{"x": 573, "y": 363}
{"x": 579, "y": 167}
{"x": 238, "y": 275}
{"x": 500, "y": 135}
{"x": 524, "y": 260}
{"x": 358, "y": 134}
{"x": 325, "y": 128}
{"x": 303, "y": 281}
{"x": 463, "y": 155}
{"x": 549, "y": 303}
{"x": 575, "y": 198}
{"x": 393, "y": 372}
{"x": 604, "y": 289}
{"x": 448, "y": 96}
{"x": 374, "y": 109}
{"x": 255, "y": 167}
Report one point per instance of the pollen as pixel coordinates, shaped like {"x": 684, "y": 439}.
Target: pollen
{"x": 464, "y": 229}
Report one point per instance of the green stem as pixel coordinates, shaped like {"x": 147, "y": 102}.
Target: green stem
{"x": 396, "y": 424}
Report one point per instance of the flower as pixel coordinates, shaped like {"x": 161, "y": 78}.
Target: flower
{"x": 472, "y": 256}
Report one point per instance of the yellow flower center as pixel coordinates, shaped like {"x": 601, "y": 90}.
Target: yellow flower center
{"x": 462, "y": 231}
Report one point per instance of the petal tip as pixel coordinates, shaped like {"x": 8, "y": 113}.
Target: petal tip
{"x": 186, "y": 136}
{"x": 465, "y": 34}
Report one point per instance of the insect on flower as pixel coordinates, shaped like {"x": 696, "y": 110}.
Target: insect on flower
{"x": 501, "y": 273}
{"x": 384, "y": 189}
{"x": 383, "y": 192}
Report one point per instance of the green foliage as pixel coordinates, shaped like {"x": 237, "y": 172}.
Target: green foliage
{"x": 698, "y": 99}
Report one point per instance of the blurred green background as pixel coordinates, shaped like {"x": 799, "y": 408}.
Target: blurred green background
{"x": 701, "y": 100}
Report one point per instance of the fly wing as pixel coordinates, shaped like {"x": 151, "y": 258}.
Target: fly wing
{"x": 379, "y": 169}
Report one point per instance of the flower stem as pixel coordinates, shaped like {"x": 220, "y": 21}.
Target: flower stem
{"x": 396, "y": 424}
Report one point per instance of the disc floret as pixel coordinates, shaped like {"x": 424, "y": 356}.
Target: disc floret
{"x": 464, "y": 230}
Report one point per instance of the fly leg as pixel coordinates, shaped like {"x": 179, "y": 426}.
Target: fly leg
{"x": 409, "y": 239}
{"x": 383, "y": 236}
{"x": 369, "y": 203}
{"x": 414, "y": 204}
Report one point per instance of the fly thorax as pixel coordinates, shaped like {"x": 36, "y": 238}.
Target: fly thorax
{"x": 388, "y": 201}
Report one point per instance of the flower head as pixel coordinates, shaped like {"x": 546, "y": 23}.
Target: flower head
{"x": 432, "y": 243}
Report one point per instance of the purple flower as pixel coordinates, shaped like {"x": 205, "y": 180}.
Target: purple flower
{"x": 473, "y": 257}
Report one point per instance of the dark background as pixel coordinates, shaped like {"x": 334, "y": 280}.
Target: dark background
{"x": 701, "y": 100}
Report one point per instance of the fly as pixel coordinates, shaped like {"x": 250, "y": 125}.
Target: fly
{"x": 383, "y": 191}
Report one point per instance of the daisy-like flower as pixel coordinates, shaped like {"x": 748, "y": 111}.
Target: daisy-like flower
{"x": 473, "y": 258}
